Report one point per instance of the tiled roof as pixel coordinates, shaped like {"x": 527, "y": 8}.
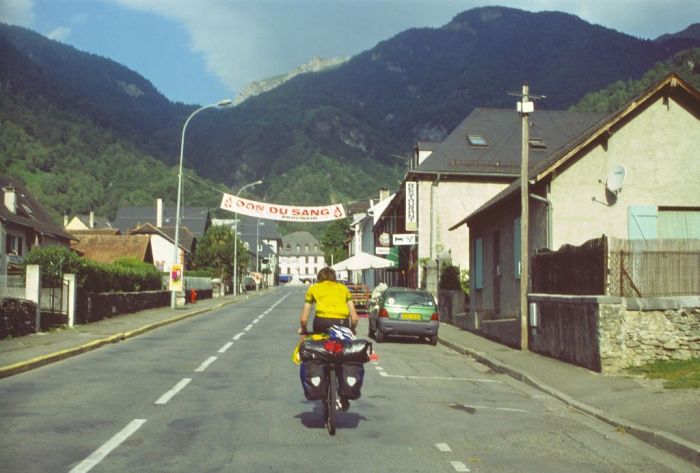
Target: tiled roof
{"x": 107, "y": 248}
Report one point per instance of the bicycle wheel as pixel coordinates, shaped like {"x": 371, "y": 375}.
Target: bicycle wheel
{"x": 331, "y": 401}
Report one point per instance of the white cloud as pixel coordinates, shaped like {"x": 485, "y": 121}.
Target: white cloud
{"x": 59, "y": 34}
{"x": 17, "y": 12}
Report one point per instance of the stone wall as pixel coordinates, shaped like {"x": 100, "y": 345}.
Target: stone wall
{"x": 608, "y": 334}
{"x": 648, "y": 330}
{"x": 17, "y": 317}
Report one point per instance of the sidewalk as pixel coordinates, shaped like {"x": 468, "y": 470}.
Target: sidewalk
{"x": 31, "y": 351}
{"x": 666, "y": 418}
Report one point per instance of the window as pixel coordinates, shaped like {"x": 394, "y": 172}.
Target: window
{"x": 476, "y": 140}
{"x": 315, "y": 248}
{"x": 641, "y": 221}
{"x": 306, "y": 248}
{"x": 13, "y": 245}
{"x": 478, "y": 263}
{"x": 298, "y": 248}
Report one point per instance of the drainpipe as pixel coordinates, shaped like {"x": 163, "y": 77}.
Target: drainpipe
{"x": 550, "y": 207}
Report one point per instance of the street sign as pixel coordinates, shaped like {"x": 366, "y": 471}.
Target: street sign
{"x": 405, "y": 238}
{"x": 411, "y": 206}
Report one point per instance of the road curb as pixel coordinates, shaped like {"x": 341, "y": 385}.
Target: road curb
{"x": 666, "y": 441}
{"x": 27, "y": 365}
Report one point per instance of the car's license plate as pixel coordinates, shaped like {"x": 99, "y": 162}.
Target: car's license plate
{"x": 410, "y": 316}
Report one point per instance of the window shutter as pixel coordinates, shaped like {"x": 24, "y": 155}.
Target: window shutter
{"x": 642, "y": 222}
{"x": 516, "y": 248}
{"x": 478, "y": 263}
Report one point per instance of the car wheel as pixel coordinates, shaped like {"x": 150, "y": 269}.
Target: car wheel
{"x": 433, "y": 340}
{"x": 379, "y": 336}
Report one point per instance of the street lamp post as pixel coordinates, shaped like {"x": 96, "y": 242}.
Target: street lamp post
{"x": 235, "y": 240}
{"x": 222, "y": 103}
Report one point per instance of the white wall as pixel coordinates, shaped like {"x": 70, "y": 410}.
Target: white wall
{"x": 660, "y": 149}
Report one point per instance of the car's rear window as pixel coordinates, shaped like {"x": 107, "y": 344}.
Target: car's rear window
{"x": 406, "y": 298}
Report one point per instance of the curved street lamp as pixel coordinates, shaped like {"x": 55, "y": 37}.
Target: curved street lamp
{"x": 235, "y": 240}
{"x": 221, "y": 103}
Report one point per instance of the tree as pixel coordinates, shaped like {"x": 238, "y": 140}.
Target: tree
{"x": 333, "y": 241}
{"x": 215, "y": 251}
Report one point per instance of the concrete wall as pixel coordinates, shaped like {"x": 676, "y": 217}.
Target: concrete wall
{"x": 608, "y": 334}
{"x": 659, "y": 149}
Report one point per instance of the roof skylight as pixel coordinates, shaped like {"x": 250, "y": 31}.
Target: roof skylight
{"x": 476, "y": 140}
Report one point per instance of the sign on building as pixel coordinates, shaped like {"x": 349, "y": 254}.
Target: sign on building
{"x": 411, "y": 206}
{"x": 405, "y": 239}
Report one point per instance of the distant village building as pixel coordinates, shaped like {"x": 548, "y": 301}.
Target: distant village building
{"x": 300, "y": 256}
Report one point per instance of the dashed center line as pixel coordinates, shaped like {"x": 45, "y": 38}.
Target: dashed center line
{"x": 176, "y": 389}
{"x": 237, "y": 336}
{"x": 206, "y": 364}
{"x": 443, "y": 447}
{"x": 98, "y": 455}
{"x": 225, "y": 347}
{"x": 248, "y": 327}
{"x": 459, "y": 466}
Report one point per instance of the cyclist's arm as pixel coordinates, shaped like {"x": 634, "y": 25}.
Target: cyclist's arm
{"x": 354, "y": 319}
{"x": 304, "y": 317}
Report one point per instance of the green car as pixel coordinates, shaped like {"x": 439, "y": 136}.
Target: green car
{"x": 402, "y": 311}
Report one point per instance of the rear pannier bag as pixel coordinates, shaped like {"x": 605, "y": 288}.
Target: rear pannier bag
{"x": 350, "y": 377}
{"x": 358, "y": 350}
{"x": 313, "y": 379}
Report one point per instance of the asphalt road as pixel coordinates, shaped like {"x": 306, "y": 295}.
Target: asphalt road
{"x": 219, "y": 393}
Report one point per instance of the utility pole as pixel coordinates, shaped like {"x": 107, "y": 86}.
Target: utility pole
{"x": 524, "y": 214}
{"x": 525, "y": 107}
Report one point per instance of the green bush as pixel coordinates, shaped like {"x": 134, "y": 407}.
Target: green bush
{"x": 449, "y": 278}
{"x": 124, "y": 275}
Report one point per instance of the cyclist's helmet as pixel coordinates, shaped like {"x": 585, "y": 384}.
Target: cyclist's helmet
{"x": 342, "y": 334}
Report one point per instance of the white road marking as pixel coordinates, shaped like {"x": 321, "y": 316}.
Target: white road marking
{"x": 255, "y": 321}
{"x": 225, "y": 347}
{"x": 205, "y": 364}
{"x": 248, "y": 327}
{"x": 167, "y": 396}
{"x": 443, "y": 378}
{"x": 383, "y": 373}
{"x": 98, "y": 455}
{"x": 379, "y": 368}
{"x": 507, "y": 409}
{"x": 238, "y": 335}
{"x": 443, "y": 447}
{"x": 459, "y": 466}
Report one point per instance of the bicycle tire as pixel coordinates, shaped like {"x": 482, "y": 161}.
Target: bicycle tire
{"x": 332, "y": 401}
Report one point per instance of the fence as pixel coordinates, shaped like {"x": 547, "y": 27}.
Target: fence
{"x": 576, "y": 270}
{"x": 654, "y": 268}
{"x": 623, "y": 268}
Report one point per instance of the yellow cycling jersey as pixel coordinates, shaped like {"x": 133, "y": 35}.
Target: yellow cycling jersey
{"x": 331, "y": 299}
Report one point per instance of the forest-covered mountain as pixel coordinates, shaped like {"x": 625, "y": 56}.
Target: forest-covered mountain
{"x": 87, "y": 133}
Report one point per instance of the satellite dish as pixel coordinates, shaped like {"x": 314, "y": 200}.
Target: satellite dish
{"x": 616, "y": 178}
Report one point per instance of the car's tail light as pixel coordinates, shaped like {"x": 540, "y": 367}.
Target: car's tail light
{"x": 435, "y": 316}
{"x": 383, "y": 313}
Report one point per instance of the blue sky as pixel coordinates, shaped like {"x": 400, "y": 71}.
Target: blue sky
{"x": 200, "y": 51}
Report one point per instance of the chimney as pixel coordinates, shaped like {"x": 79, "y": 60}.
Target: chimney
{"x": 10, "y": 199}
{"x": 159, "y": 213}
{"x": 383, "y": 194}
{"x": 92, "y": 219}
{"x": 65, "y": 221}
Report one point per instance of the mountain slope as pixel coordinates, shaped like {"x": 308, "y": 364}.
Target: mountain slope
{"x": 320, "y": 137}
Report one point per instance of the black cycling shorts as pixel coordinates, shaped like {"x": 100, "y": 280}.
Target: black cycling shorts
{"x": 322, "y": 324}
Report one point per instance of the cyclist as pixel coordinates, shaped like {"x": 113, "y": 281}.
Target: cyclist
{"x": 334, "y": 304}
